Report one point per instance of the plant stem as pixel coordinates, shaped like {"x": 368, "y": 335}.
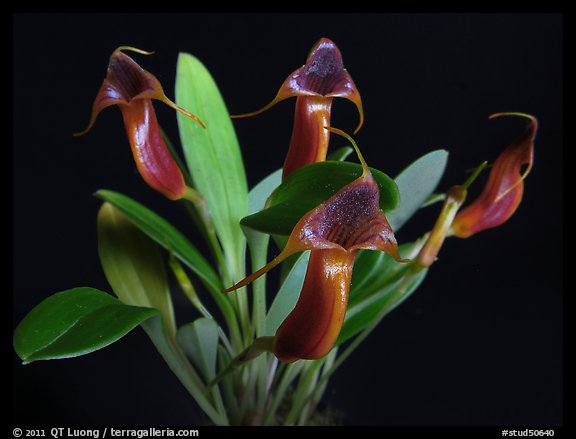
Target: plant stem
{"x": 179, "y": 364}
{"x": 291, "y": 371}
{"x": 190, "y": 292}
{"x": 203, "y": 220}
{"x": 308, "y": 379}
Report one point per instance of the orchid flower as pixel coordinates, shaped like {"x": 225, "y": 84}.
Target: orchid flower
{"x": 503, "y": 191}
{"x": 132, "y": 88}
{"x": 334, "y": 231}
{"x": 315, "y": 86}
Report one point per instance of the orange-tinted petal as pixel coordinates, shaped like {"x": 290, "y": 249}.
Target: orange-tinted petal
{"x": 309, "y": 143}
{"x": 153, "y": 159}
{"x": 311, "y": 329}
{"x": 503, "y": 191}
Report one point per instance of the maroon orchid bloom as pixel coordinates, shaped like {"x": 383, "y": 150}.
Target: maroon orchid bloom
{"x": 315, "y": 85}
{"x": 334, "y": 231}
{"x": 503, "y": 191}
{"x": 132, "y": 88}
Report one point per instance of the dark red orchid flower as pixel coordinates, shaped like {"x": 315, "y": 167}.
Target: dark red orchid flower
{"x": 132, "y": 88}
{"x": 315, "y": 85}
{"x": 503, "y": 191}
{"x": 334, "y": 232}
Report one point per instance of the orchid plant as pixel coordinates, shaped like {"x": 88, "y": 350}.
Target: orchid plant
{"x": 257, "y": 353}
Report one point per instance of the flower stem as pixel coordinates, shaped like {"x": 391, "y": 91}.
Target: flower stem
{"x": 190, "y": 292}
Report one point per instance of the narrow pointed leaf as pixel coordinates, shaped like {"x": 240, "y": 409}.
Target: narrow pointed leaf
{"x": 133, "y": 265}
{"x": 75, "y": 322}
{"x": 256, "y": 201}
{"x": 362, "y": 314}
{"x": 287, "y": 295}
{"x": 309, "y": 186}
{"x": 340, "y": 154}
{"x": 213, "y": 154}
{"x": 373, "y": 270}
{"x": 199, "y": 340}
{"x": 164, "y": 234}
{"x": 415, "y": 184}
{"x": 258, "y": 245}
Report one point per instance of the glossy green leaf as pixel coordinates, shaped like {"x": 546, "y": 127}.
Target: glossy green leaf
{"x": 415, "y": 184}
{"x": 213, "y": 154}
{"x": 309, "y": 186}
{"x": 199, "y": 340}
{"x": 133, "y": 265}
{"x": 287, "y": 295}
{"x": 360, "y": 315}
{"x": 75, "y": 322}
{"x": 166, "y": 235}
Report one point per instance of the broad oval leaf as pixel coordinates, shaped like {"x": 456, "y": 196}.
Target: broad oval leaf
{"x": 309, "y": 186}
{"x": 133, "y": 265}
{"x": 415, "y": 184}
{"x": 75, "y": 322}
{"x": 199, "y": 340}
{"x": 166, "y": 235}
{"x": 213, "y": 155}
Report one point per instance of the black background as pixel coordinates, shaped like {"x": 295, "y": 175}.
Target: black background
{"x": 481, "y": 342}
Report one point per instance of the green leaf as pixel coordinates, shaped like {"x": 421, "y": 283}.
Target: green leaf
{"x": 75, "y": 322}
{"x": 373, "y": 270}
{"x": 258, "y": 245}
{"x": 367, "y": 264}
{"x": 213, "y": 154}
{"x": 287, "y": 295}
{"x": 256, "y": 201}
{"x": 164, "y": 234}
{"x": 375, "y": 278}
{"x": 133, "y": 265}
{"x": 360, "y": 315}
{"x": 309, "y": 186}
{"x": 415, "y": 184}
{"x": 340, "y": 154}
{"x": 199, "y": 340}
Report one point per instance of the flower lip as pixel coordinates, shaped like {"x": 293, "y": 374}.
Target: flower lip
{"x": 126, "y": 80}
{"x": 323, "y": 71}
{"x": 348, "y": 220}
